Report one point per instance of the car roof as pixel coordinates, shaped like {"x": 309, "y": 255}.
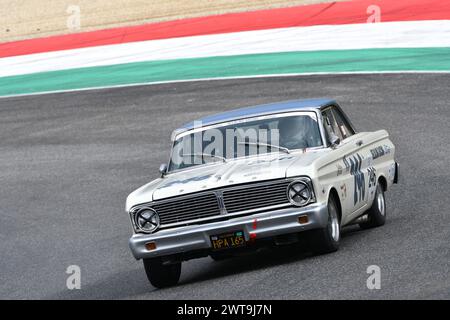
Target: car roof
{"x": 258, "y": 110}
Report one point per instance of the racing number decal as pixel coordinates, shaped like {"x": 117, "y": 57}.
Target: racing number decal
{"x": 354, "y": 164}
{"x": 371, "y": 172}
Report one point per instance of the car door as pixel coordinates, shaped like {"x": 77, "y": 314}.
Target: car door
{"x": 352, "y": 185}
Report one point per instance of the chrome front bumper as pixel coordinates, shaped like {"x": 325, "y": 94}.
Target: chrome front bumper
{"x": 197, "y": 237}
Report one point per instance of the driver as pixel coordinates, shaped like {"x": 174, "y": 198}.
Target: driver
{"x": 297, "y": 132}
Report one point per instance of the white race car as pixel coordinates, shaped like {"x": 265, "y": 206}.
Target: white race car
{"x": 260, "y": 175}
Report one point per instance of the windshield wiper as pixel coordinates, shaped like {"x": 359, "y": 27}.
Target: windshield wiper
{"x": 205, "y": 155}
{"x": 261, "y": 144}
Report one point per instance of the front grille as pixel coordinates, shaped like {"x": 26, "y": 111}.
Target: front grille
{"x": 256, "y": 196}
{"x": 187, "y": 208}
{"x": 236, "y": 199}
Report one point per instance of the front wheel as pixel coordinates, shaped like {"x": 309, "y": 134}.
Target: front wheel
{"x": 161, "y": 276}
{"x": 327, "y": 240}
{"x": 377, "y": 213}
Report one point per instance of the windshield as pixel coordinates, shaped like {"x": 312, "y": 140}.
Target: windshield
{"x": 246, "y": 138}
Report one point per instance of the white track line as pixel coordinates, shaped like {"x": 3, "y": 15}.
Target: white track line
{"x": 225, "y": 78}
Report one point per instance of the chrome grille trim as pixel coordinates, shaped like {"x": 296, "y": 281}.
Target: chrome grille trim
{"x": 223, "y": 203}
{"x": 181, "y": 209}
{"x": 224, "y": 217}
{"x": 257, "y": 196}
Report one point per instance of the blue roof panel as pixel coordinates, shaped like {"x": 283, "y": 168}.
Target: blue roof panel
{"x": 254, "y": 111}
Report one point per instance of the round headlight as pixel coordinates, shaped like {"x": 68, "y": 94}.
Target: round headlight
{"x": 147, "y": 220}
{"x": 299, "y": 193}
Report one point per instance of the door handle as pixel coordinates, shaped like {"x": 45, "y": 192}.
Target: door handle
{"x": 359, "y": 143}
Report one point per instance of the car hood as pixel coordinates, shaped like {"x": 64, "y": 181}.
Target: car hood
{"x": 218, "y": 175}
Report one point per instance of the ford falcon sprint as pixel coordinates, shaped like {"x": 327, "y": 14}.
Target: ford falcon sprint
{"x": 258, "y": 176}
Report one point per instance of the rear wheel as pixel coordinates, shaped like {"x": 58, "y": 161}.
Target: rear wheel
{"x": 377, "y": 213}
{"x": 327, "y": 239}
{"x": 161, "y": 276}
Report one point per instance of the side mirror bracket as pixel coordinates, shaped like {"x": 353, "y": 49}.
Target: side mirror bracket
{"x": 163, "y": 169}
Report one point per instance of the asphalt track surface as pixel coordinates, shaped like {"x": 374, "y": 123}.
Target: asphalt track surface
{"x": 69, "y": 160}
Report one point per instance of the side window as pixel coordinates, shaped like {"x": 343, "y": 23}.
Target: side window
{"x": 330, "y": 124}
{"x": 343, "y": 126}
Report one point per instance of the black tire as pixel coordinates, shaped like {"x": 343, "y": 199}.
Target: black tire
{"x": 327, "y": 239}
{"x": 162, "y": 276}
{"x": 377, "y": 213}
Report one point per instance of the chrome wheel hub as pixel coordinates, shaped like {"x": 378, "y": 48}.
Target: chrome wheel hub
{"x": 381, "y": 204}
{"x": 333, "y": 223}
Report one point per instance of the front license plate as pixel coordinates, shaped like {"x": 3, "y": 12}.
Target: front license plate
{"x": 228, "y": 240}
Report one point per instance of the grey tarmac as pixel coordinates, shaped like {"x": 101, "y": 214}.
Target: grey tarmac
{"x": 69, "y": 160}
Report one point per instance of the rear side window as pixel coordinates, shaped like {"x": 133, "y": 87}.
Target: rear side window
{"x": 330, "y": 124}
{"x": 342, "y": 124}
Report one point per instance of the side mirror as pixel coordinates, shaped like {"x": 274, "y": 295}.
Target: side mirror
{"x": 334, "y": 140}
{"x": 163, "y": 169}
